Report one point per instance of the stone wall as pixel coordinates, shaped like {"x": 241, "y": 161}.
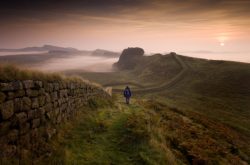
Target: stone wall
{"x": 31, "y": 110}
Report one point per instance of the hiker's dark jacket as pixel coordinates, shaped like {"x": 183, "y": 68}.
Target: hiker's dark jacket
{"x": 127, "y": 92}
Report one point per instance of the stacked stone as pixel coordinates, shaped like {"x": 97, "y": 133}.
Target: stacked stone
{"x": 26, "y": 106}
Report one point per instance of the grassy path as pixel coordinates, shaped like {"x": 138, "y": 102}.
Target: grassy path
{"x": 146, "y": 132}
{"x": 97, "y": 138}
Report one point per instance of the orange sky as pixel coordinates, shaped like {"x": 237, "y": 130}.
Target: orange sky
{"x": 155, "y": 25}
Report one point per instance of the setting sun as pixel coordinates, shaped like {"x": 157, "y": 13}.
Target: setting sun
{"x": 222, "y": 44}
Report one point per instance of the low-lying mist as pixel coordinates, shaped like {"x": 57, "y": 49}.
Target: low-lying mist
{"x": 85, "y": 63}
{"x": 21, "y": 53}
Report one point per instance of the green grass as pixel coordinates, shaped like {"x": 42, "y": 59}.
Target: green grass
{"x": 146, "y": 132}
{"x": 203, "y": 118}
{"x": 214, "y": 95}
{"x": 218, "y": 89}
{"x": 103, "y": 136}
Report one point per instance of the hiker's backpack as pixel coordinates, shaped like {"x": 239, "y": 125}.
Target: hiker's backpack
{"x": 126, "y": 93}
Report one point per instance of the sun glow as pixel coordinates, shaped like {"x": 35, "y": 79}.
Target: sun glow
{"x": 222, "y": 39}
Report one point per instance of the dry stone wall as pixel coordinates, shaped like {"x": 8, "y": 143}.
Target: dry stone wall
{"x": 30, "y": 111}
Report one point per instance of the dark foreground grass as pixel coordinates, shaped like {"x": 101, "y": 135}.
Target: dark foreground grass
{"x": 145, "y": 132}
{"x": 118, "y": 134}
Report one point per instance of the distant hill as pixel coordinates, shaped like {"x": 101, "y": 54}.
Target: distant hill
{"x": 42, "y": 48}
{"x": 105, "y": 53}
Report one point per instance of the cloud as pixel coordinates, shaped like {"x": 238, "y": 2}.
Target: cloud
{"x": 148, "y": 9}
{"x": 119, "y": 23}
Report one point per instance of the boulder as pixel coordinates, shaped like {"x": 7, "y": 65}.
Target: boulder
{"x": 32, "y": 93}
{"x": 17, "y": 85}
{"x": 47, "y": 98}
{"x": 35, "y": 123}
{"x": 4, "y": 127}
{"x": 19, "y": 93}
{"x": 35, "y": 103}
{"x": 38, "y": 84}
{"x": 24, "y": 128}
{"x": 41, "y": 100}
{"x": 8, "y": 151}
{"x": 54, "y": 96}
{"x": 26, "y": 104}
{"x": 28, "y": 84}
{"x": 2, "y": 97}
{"x": 13, "y": 135}
{"x": 7, "y": 109}
{"x": 10, "y": 95}
{"x": 49, "y": 133}
{"x": 6, "y": 87}
{"x": 18, "y": 104}
{"x": 48, "y": 87}
{"x": 21, "y": 117}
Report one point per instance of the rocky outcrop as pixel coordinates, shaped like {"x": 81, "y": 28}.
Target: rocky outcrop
{"x": 129, "y": 58}
{"x": 30, "y": 111}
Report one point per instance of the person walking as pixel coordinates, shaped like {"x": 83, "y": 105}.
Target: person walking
{"x": 127, "y": 94}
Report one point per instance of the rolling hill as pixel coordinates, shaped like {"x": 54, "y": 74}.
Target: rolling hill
{"x": 211, "y": 93}
{"x": 42, "y": 48}
{"x": 183, "y": 111}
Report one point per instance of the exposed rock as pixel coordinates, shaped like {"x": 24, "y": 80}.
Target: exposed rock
{"x": 57, "y": 111}
{"x": 2, "y": 97}
{"x": 41, "y": 91}
{"x": 28, "y": 107}
{"x": 26, "y": 104}
{"x": 129, "y": 57}
{"x": 47, "y": 98}
{"x": 4, "y": 127}
{"x": 25, "y": 141}
{"x": 10, "y": 95}
{"x": 54, "y": 96}
{"x": 35, "y": 103}
{"x": 56, "y": 86}
{"x": 21, "y": 117}
{"x": 13, "y": 135}
{"x": 35, "y": 123}
{"x": 7, "y": 109}
{"x": 55, "y": 104}
{"x": 6, "y": 87}
{"x": 17, "y": 85}
{"x": 19, "y": 93}
{"x": 48, "y": 107}
{"x": 50, "y": 132}
{"x": 41, "y": 111}
{"x": 24, "y": 128}
{"x": 38, "y": 84}
{"x": 62, "y": 93}
{"x": 28, "y": 84}
{"x": 41, "y": 100}
{"x": 8, "y": 151}
{"x": 32, "y": 93}
{"x": 48, "y": 87}
{"x": 59, "y": 119}
{"x": 31, "y": 114}
{"x": 18, "y": 105}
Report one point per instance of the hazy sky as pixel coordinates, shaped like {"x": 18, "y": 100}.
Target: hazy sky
{"x": 155, "y": 25}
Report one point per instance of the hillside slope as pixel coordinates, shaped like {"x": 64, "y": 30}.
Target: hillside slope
{"x": 146, "y": 132}
{"x": 210, "y": 90}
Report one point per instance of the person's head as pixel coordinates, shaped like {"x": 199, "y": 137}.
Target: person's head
{"x": 127, "y": 87}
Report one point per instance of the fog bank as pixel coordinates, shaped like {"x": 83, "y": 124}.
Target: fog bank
{"x": 85, "y": 63}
